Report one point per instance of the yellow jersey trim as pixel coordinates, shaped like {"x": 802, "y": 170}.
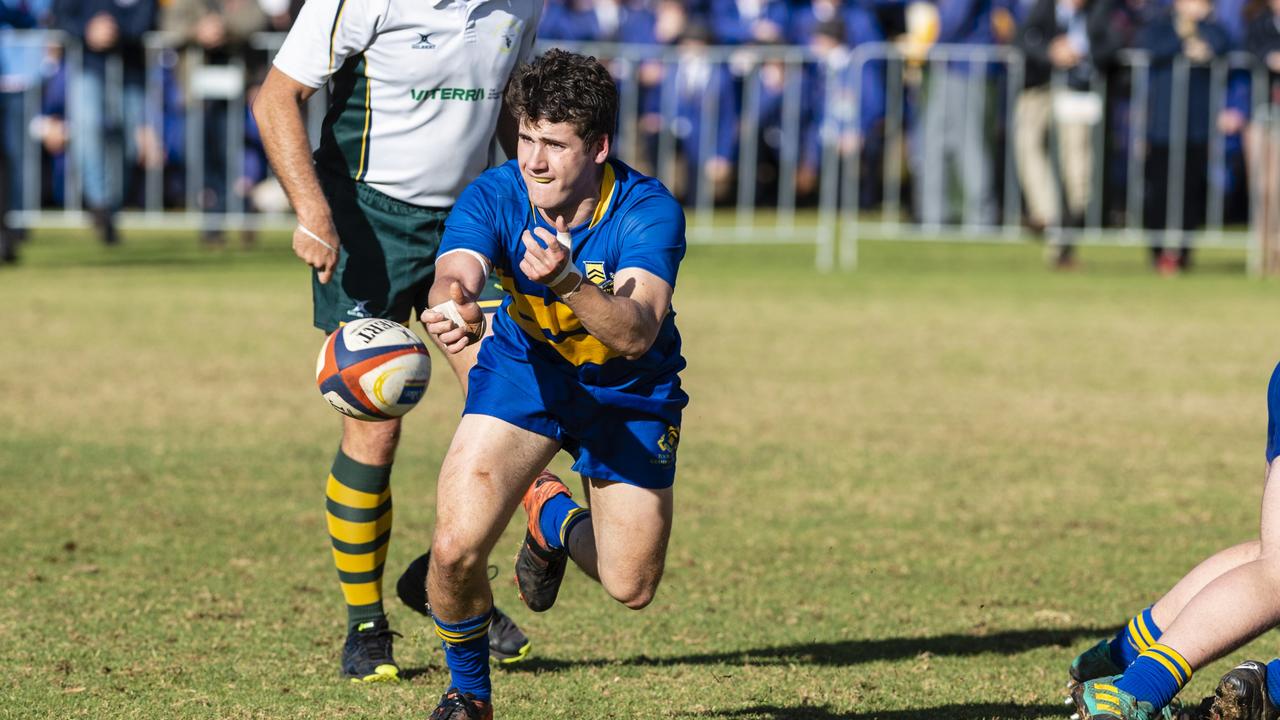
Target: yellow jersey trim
{"x": 368, "y": 117}
{"x": 333, "y": 32}
{"x": 539, "y": 318}
{"x": 608, "y": 185}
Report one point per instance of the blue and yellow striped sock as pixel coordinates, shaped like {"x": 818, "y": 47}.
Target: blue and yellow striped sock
{"x": 358, "y": 510}
{"x": 466, "y": 650}
{"x": 1134, "y": 638}
{"x": 1156, "y": 676}
{"x": 558, "y": 517}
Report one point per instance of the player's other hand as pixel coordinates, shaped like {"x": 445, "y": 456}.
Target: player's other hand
{"x": 545, "y": 258}
{"x": 448, "y": 332}
{"x": 323, "y": 256}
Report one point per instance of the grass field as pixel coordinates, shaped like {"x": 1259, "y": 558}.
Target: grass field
{"x": 910, "y": 493}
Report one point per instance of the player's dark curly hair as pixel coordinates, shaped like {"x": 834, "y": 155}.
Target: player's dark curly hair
{"x": 560, "y": 86}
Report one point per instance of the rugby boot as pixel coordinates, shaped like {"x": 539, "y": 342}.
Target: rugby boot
{"x": 1242, "y": 694}
{"x": 1091, "y": 664}
{"x": 540, "y": 569}
{"x": 1100, "y": 699}
{"x": 507, "y": 643}
{"x": 461, "y": 706}
{"x": 367, "y": 657}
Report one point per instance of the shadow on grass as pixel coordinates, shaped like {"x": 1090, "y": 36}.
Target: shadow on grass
{"x": 975, "y": 711}
{"x": 847, "y": 652}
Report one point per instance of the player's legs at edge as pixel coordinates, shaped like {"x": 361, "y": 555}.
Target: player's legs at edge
{"x": 1112, "y": 657}
{"x": 1223, "y": 603}
{"x": 1231, "y": 609}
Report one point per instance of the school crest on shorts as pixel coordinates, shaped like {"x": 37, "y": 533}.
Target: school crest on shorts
{"x": 667, "y": 445}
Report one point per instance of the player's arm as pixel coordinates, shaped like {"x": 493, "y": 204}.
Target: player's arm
{"x": 454, "y": 318}
{"x": 279, "y": 109}
{"x": 626, "y": 321}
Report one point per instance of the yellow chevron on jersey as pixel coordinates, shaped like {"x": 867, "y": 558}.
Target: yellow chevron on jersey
{"x": 595, "y": 273}
{"x": 553, "y": 323}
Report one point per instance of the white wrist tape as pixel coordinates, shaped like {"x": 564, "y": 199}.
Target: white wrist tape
{"x": 565, "y": 239}
{"x": 316, "y": 237}
{"x": 569, "y": 270}
{"x": 449, "y": 309}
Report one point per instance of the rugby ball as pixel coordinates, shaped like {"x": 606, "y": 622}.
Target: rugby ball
{"x": 373, "y": 369}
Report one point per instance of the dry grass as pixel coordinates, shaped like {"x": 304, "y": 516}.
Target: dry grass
{"x": 911, "y": 492}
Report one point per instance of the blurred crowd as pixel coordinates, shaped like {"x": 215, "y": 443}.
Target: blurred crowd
{"x": 1068, "y": 121}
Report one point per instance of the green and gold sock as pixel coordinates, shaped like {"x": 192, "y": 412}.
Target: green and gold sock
{"x": 358, "y": 509}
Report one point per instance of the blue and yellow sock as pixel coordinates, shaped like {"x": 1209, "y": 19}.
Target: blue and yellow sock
{"x": 466, "y": 650}
{"x": 1134, "y": 638}
{"x": 358, "y": 510}
{"x": 1273, "y": 681}
{"x": 1156, "y": 676}
{"x": 557, "y": 519}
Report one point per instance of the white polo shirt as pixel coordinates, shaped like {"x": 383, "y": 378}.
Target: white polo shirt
{"x": 416, "y": 86}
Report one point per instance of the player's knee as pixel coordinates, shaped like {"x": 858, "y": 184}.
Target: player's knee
{"x": 636, "y": 591}
{"x": 454, "y": 557}
{"x": 372, "y": 443}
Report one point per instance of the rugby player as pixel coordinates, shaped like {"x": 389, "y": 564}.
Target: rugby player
{"x": 584, "y": 356}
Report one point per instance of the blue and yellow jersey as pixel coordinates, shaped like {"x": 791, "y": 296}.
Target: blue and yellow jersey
{"x": 636, "y": 224}
{"x": 1273, "y": 416}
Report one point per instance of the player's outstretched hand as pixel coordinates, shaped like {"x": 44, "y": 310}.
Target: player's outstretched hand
{"x": 547, "y": 262}
{"x": 457, "y": 323}
{"x": 317, "y": 247}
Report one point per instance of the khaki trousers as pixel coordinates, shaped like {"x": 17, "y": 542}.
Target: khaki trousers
{"x": 1033, "y": 116}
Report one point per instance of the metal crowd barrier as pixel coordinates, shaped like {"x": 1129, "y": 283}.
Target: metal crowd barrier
{"x": 665, "y": 130}
{"x": 1000, "y": 83}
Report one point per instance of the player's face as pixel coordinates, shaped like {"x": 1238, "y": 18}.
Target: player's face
{"x": 559, "y": 168}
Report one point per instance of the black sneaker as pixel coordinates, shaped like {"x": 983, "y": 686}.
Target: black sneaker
{"x": 540, "y": 569}
{"x": 366, "y": 656}
{"x": 507, "y": 643}
{"x": 461, "y": 706}
{"x": 1242, "y": 694}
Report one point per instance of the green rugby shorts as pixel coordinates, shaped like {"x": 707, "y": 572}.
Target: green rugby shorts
{"x": 388, "y": 258}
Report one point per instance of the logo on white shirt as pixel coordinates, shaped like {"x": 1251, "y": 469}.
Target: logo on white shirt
{"x": 424, "y": 42}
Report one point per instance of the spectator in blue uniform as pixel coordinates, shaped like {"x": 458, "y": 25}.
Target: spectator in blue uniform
{"x": 847, "y": 99}
{"x": 954, "y": 125}
{"x": 771, "y": 86}
{"x": 624, "y": 21}
{"x": 108, "y": 117}
{"x": 1188, "y": 35}
{"x": 700, "y": 91}
{"x": 21, "y": 62}
{"x": 739, "y": 22}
